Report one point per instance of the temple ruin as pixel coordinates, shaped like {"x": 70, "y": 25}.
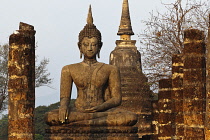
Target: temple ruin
{"x": 182, "y": 111}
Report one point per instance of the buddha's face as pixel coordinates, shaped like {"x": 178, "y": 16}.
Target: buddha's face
{"x": 89, "y": 47}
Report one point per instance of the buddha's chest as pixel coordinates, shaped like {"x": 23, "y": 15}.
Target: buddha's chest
{"x": 90, "y": 76}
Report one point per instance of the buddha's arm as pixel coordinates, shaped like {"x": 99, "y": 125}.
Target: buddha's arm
{"x": 65, "y": 93}
{"x": 116, "y": 98}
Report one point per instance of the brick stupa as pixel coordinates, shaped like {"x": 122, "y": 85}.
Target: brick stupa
{"x": 135, "y": 90}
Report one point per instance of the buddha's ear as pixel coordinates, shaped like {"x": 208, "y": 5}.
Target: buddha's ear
{"x": 78, "y": 44}
{"x": 101, "y": 44}
{"x": 98, "y": 54}
{"x": 80, "y": 55}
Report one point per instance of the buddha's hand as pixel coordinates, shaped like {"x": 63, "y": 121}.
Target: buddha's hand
{"x": 94, "y": 109}
{"x": 63, "y": 114}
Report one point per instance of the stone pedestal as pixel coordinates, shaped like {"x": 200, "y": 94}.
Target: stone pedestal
{"x": 66, "y": 132}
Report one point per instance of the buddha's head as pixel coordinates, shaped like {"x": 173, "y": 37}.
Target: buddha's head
{"x": 90, "y": 38}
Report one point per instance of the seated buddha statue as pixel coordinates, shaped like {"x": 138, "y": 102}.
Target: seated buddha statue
{"x": 98, "y": 88}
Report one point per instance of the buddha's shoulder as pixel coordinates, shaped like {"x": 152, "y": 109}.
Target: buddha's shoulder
{"x": 110, "y": 67}
{"x": 77, "y": 66}
{"x": 72, "y": 66}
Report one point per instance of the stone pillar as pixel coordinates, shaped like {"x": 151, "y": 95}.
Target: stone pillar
{"x": 177, "y": 96}
{"x": 194, "y": 94}
{"x": 207, "y": 123}
{"x": 21, "y": 87}
{"x": 165, "y": 110}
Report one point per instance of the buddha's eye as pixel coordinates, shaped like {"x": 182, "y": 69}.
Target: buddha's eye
{"x": 94, "y": 44}
{"x": 85, "y": 44}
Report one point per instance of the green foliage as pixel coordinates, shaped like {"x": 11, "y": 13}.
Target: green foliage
{"x": 39, "y": 121}
{"x": 39, "y": 117}
{"x": 4, "y": 127}
{"x": 39, "y": 137}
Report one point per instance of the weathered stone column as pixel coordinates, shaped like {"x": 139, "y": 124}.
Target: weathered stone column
{"x": 165, "y": 110}
{"x": 207, "y": 122}
{"x": 177, "y": 97}
{"x": 21, "y": 87}
{"x": 194, "y": 94}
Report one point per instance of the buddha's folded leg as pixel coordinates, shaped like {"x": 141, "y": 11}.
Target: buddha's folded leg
{"x": 51, "y": 118}
{"x": 80, "y": 116}
{"x": 112, "y": 119}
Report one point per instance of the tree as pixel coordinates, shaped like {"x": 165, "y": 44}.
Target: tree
{"x": 4, "y": 127}
{"x": 40, "y": 124}
{"x": 164, "y": 35}
{"x": 3, "y": 76}
{"x": 41, "y": 75}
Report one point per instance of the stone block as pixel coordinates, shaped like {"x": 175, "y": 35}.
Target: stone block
{"x": 177, "y": 58}
{"x": 193, "y": 34}
{"x": 193, "y": 133}
{"x": 155, "y": 116}
{"x": 165, "y": 106}
{"x": 165, "y": 118}
{"x": 193, "y": 119}
{"x": 194, "y": 48}
{"x": 180, "y": 131}
{"x": 178, "y": 107}
{"x": 179, "y": 118}
{"x": 177, "y": 82}
{"x": 194, "y": 62}
{"x": 177, "y": 69}
{"x": 164, "y": 94}
{"x": 192, "y": 76}
{"x": 165, "y": 83}
{"x": 154, "y": 137}
{"x": 194, "y": 105}
{"x": 192, "y": 92}
{"x": 165, "y": 130}
{"x": 177, "y": 94}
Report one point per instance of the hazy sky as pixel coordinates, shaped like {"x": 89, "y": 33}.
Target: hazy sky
{"x": 58, "y": 23}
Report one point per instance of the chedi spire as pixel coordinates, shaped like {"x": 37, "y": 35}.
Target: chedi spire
{"x": 90, "y": 17}
{"x": 125, "y": 27}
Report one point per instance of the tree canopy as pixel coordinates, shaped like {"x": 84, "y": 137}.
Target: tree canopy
{"x": 164, "y": 35}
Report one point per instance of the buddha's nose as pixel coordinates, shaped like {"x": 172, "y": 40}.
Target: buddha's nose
{"x": 89, "y": 48}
